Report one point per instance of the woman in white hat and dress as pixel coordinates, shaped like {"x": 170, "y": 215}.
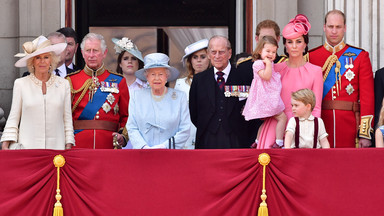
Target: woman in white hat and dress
{"x": 158, "y": 116}
{"x": 40, "y": 116}
{"x": 195, "y": 61}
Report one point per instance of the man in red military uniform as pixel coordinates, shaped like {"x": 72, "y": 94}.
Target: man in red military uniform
{"x": 348, "y": 96}
{"x": 99, "y": 99}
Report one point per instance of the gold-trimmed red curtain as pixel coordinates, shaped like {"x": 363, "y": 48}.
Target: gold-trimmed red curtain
{"x": 193, "y": 182}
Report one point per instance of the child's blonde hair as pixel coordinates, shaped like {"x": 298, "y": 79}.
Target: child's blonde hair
{"x": 306, "y": 96}
{"x": 260, "y": 45}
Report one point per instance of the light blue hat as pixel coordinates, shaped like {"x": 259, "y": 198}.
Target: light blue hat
{"x": 125, "y": 44}
{"x": 157, "y": 60}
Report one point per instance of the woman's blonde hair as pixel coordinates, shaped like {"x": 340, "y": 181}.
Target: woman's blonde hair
{"x": 54, "y": 61}
{"x": 260, "y": 45}
{"x": 306, "y": 96}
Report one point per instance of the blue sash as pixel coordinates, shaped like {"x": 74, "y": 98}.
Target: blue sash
{"x": 99, "y": 98}
{"x": 331, "y": 79}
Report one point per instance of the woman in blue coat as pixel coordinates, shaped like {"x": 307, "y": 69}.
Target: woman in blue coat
{"x": 158, "y": 116}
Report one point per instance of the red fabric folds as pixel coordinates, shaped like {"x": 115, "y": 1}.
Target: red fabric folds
{"x": 193, "y": 182}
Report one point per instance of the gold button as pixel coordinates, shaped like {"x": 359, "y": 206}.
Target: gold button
{"x": 334, "y": 97}
{"x": 97, "y": 117}
{"x": 97, "y": 113}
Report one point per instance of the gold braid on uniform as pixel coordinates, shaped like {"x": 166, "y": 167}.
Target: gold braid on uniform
{"x": 332, "y": 59}
{"x": 83, "y": 88}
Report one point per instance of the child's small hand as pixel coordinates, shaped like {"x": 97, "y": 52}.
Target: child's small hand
{"x": 267, "y": 61}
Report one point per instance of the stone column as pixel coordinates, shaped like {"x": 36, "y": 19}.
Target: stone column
{"x": 21, "y": 21}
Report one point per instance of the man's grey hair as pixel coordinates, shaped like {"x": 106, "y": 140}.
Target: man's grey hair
{"x": 94, "y": 36}
{"x": 57, "y": 35}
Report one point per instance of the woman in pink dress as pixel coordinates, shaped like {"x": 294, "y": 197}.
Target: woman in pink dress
{"x": 264, "y": 95}
{"x": 296, "y": 74}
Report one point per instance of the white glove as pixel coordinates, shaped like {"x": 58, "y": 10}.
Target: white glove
{"x": 160, "y": 146}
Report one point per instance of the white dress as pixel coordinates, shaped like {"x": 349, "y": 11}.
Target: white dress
{"x": 183, "y": 86}
{"x": 40, "y": 121}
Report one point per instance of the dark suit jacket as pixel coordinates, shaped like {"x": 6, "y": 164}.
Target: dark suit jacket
{"x": 379, "y": 92}
{"x": 69, "y": 71}
{"x": 202, "y": 102}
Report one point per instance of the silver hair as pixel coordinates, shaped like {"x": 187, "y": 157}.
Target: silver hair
{"x": 58, "y": 35}
{"x": 94, "y": 36}
{"x": 229, "y": 46}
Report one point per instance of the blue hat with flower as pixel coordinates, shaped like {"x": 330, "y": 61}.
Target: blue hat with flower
{"x": 125, "y": 44}
{"x": 157, "y": 60}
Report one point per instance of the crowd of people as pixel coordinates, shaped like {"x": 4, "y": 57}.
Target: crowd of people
{"x": 319, "y": 98}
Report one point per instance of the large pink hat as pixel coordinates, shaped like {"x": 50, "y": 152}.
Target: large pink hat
{"x": 296, "y": 27}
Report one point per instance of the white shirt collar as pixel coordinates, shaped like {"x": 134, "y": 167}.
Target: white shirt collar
{"x": 138, "y": 84}
{"x": 310, "y": 118}
{"x": 62, "y": 70}
{"x": 70, "y": 66}
{"x": 226, "y": 71}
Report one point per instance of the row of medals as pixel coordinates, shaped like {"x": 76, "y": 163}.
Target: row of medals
{"x": 236, "y": 91}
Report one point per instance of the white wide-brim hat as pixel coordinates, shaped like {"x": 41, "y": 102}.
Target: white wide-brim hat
{"x": 36, "y": 47}
{"x": 198, "y": 45}
{"x": 127, "y": 45}
{"x": 157, "y": 60}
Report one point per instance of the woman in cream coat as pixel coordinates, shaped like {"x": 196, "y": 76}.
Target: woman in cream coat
{"x": 40, "y": 116}
{"x": 195, "y": 61}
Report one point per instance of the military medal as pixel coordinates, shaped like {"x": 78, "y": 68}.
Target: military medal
{"x": 93, "y": 88}
{"x": 349, "y": 89}
{"x": 348, "y": 63}
{"x": 227, "y": 93}
{"x": 110, "y": 98}
{"x": 114, "y": 88}
{"x": 116, "y": 109}
{"x": 106, "y": 107}
{"x": 235, "y": 91}
{"x": 349, "y": 75}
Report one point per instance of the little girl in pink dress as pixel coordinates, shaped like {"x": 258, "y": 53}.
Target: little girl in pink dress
{"x": 264, "y": 99}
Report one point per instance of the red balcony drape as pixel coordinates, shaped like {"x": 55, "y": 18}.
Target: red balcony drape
{"x": 193, "y": 182}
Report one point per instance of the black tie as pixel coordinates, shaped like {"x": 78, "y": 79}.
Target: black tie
{"x": 57, "y": 72}
{"x": 220, "y": 79}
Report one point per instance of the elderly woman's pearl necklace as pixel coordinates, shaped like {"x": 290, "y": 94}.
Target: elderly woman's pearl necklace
{"x": 160, "y": 97}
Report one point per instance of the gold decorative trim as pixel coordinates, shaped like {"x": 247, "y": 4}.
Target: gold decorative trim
{"x": 264, "y": 160}
{"x": 58, "y": 161}
{"x": 365, "y": 128}
{"x": 90, "y": 72}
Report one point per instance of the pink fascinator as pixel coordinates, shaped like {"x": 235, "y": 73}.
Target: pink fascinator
{"x": 296, "y": 27}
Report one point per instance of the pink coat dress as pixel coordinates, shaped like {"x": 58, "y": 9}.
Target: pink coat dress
{"x": 292, "y": 79}
{"x": 264, "y": 96}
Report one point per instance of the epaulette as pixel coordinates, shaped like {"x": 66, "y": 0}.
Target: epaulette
{"x": 315, "y": 48}
{"x": 244, "y": 60}
{"x": 115, "y": 73}
{"x": 75, "y": 72}
{"x": 283, "y": 58}
{"x": 356, "y": 47}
